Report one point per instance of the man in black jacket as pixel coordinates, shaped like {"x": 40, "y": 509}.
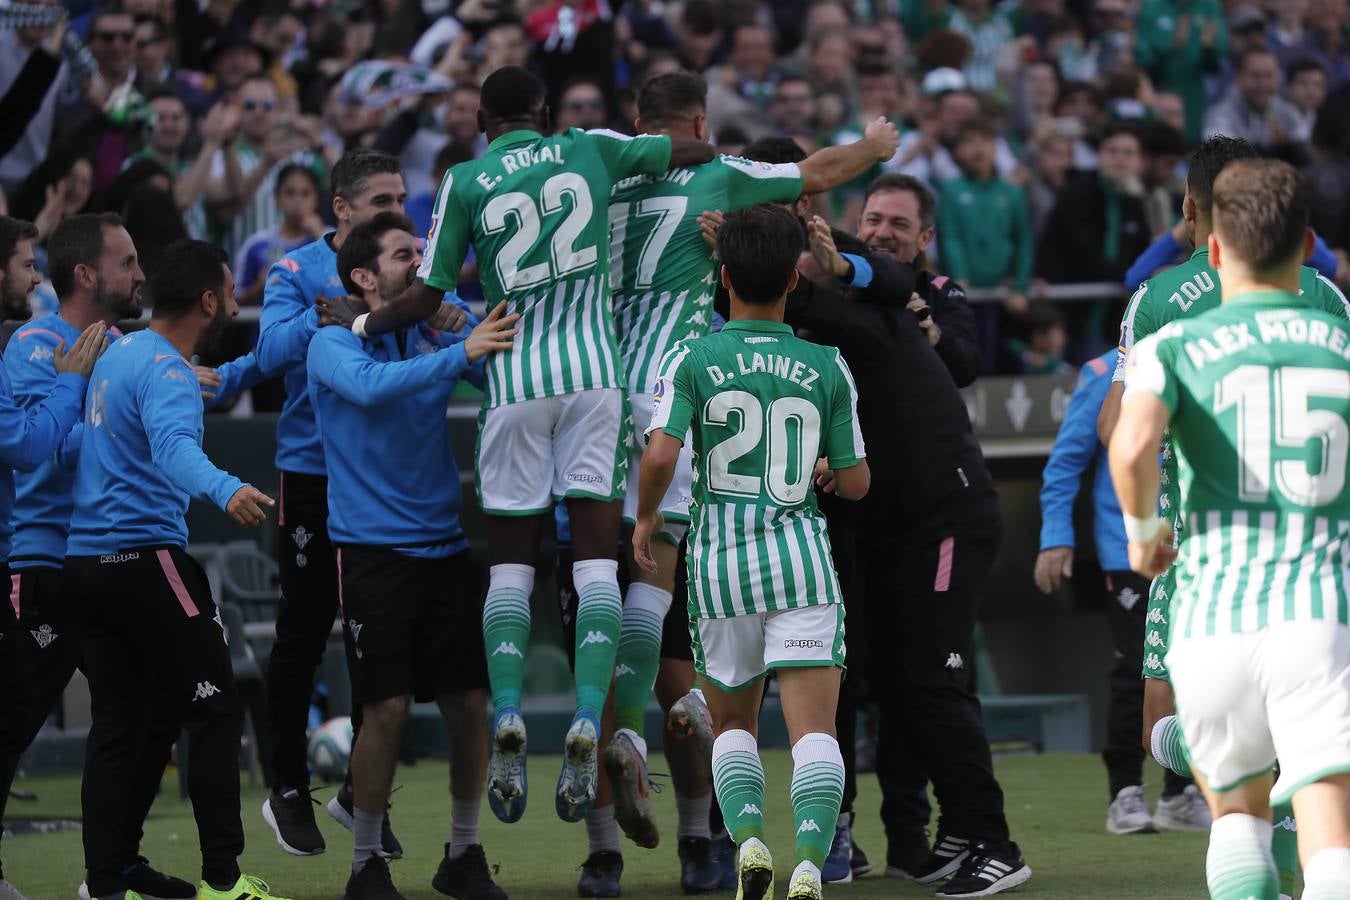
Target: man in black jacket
{"x": 925, "y": 537}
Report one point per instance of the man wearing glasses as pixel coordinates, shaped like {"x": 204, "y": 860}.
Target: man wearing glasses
{"x": 582, "y": 105}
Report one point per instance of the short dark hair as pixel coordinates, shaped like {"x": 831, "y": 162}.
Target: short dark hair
{"x": 894, "y": 181}
{"x": 795, "y": 78}
{"x": 1251, "y": 52}
{"x": 77, "y": 240}
{"x": 976, "y": 128}
{"x": 775, "y": 149}
{"x": 164, "y": 92}
{"x": 452, "y": 154}
{"x": 1261, "y": 209}
{"x": 511, "y": 94}
{"x": 1208, "y": 160}
{"x": 187, "y": 269}
{"x": 1301, "y": 65}
{"x": 1117, "y": 127}
{"x": 295, "y": 168}
{"x": 759, "y": 246}
{"x": 671, "y": 95}
{"x": 1161, "y": 139}
{"x": 12, "y": 232}
{"x": 161, "y": 30}
{"x": 355, "y": 166}
{"x": 361, "y": 249}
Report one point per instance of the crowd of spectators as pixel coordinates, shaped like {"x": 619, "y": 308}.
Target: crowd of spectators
{"x": 1054, "y": 133}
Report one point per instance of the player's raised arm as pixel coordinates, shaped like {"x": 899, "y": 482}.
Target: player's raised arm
{"x": 832, "y": 166}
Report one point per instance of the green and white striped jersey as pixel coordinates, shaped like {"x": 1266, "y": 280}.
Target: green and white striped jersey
{"x": 664, "y": 274}
{"x": 761, "y": 406}
{"x": 261, "y": 211}
{"x": 1259, "y": 395}
{"x": 534, "y": 209}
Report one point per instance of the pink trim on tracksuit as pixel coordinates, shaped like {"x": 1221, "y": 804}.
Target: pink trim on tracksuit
{"x": 943, "y": 581}
{"x": 341, "y": 611}
{"x": 281, "y": 500}
{"x": 176, "y": 582}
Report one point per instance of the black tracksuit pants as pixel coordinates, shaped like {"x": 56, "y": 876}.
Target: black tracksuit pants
{"x": 1123, "y": 752}
{"x": 157, "y": 663}
{"x": 921, "y": 609}
{"x": 45, "y": 650}
{"x": 307, "y": 563}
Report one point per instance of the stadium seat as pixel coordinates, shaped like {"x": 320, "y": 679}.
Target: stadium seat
{"x": 249, "y": 578}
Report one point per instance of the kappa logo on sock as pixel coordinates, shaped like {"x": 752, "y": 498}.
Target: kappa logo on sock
{"x": 44, "y": 636}
{"x": 808, "y": 825}
{"x": 509, "y": 649}
{"x": 751, "y": 809}
{"x": 205, "y": 689}
{"x": 624, "y": 669}
{"x": 596, "y": 637}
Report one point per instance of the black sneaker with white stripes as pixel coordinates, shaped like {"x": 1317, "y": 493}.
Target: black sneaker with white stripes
{"x": 943, "y": 860}
{"x": 988, "y": 869}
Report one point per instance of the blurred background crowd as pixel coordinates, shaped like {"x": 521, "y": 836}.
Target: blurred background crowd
{"x": 1053, "y": 133}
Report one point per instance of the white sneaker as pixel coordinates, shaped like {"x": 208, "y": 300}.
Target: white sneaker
{"x": 1128, "y": 813}
{"x": 1186, "y": 811}
{"x": 9, "y": 891}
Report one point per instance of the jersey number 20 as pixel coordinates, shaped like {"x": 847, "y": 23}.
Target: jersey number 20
{"x": 788, "y": 463}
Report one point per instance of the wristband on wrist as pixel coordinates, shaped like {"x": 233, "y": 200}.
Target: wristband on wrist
{"x": 359, "y": 325}
{"x": 1143, "y": 530}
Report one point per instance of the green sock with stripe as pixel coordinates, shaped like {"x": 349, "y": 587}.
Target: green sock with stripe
{"x": 817, "y": 791}
{"x": 506, "y": 631}
{"x": 639, "y": 656}
{"x": 738, "y": 777}
{"x": 1169, "y": 746}
{"x": 1284, "y": 846}
{"x": 599, "y": 613}
{"x": 1239, "y": 865}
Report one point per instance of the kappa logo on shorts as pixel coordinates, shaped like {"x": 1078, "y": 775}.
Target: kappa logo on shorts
{"x": 808, "y": 825}
{"x": 355, "y": 628}
{"x": 114, "y": 558}
{"x": 751, "y": 809}
{"x": 584, "y": 478}
{"x": 1153, "y": 663}
{"x": 44, "y": 636}
{"x": 803, "y": 644}
{"x": 205, "y": 689}
{"x": 954, "y": 661}
{"x": 509, "y": 649}
{"x": 596, "y": 637}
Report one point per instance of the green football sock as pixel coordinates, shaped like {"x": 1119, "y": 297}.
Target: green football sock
{"x": 738, "y": 776}
{"x": 817, "y": 791}
{"x": 506, "y": 631}
{"x": 1239, "y": 865}
{"x": 639, "y": 656}
{"x": 599, "y": 612}
{"x": 1169, "y": 746}
{"x": 1284, "y": 847}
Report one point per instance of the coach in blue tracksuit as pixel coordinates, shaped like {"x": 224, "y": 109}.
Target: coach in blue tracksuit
{"x": 409, "y": 593}
{"x": 154, "y": 648}
{"x": 1076, "y": 448}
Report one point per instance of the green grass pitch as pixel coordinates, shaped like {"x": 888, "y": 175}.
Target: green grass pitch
{"x": 1056, "y": 806}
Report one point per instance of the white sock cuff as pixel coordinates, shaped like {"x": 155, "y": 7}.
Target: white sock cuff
{"x": 511, "y": 575}
{"x": 1330, "y": 865}
{"x": 816, "y": 747}
{"x": 648, "y": 597}
{"x": 1236, "y": 828}
{"x": 638, "y": 740}
{"x": 734, "y": 740}
{"x": 1155, "y": 740}
{"x": 586, "y": 572}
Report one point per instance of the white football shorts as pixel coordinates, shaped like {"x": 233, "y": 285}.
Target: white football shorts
{"x": 733, "y": 652}
{"x": 675, "y": 504}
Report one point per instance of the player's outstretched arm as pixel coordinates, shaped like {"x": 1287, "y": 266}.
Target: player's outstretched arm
{"x": 1133, "y": 456}
{"x": 850, "y": 484}
{"x": 832, "y": 166}
{"x": 658, "y": 469}
{"x": 418, "y": 302}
